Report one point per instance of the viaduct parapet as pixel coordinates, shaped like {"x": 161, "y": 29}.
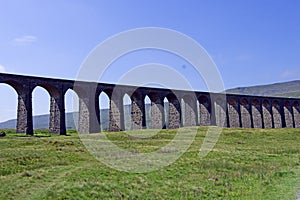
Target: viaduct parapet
{"x": 186, "y": 108}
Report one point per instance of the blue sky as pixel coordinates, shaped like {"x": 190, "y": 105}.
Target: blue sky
{"x": 252, "y": 42}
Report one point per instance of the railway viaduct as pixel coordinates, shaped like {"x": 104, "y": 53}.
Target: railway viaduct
{"x": 186, "y": 108}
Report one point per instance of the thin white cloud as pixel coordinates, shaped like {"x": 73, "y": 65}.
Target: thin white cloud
{"x": 25, "y": 40}
{"x": 2, "y": 69}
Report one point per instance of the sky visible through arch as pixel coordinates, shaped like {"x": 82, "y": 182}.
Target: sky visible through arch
{"x": 252, "y": 42}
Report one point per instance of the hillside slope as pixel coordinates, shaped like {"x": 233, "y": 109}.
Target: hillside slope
{"x": 285, "y": 89}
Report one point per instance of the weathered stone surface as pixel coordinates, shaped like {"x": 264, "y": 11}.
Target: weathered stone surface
{"x": 190, "y": 110}
{"x": 205, "y": 111}
{"x": 221, "y": 113}
{"x": 116, "y": 113}
{"x": 288, "y": 114}
{"x": 233, "y": 112}
{"x": 276, "y": 113}
{"x": 256, "y": 114}
{"x": 138, "y": 120}
{"x": 267, "y": 116}
{"x": 174, "y": 112}
{"x": 296, "y": 113}
{"x": 245, "y": 113}
{"x": 157, "y": 112}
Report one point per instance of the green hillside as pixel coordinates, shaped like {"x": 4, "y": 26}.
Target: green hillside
{"x": 286, "y": 89}
{"x": 244, "y": 164}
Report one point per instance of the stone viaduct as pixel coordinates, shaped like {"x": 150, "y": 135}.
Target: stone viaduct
{"x": 186, "y": 108}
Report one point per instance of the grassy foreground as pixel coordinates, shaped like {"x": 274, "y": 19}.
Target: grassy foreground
{"x": 245, "y": 164}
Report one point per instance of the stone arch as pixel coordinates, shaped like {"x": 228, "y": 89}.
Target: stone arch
{"x": 233, "y": 113}
{"x": 189, "y": 110}
{"x": 71, "y": 100}
{"x": 24, "y": 110}
{"x": 17, "y": 86}
{"x": 288, "y": 114}
{"x": 267, "y": 116}
{"x": 276, "y": 114}
{"x": 174, "y": 111}
{"x": 245, "y": 113}
{"x": 43, "y": 104}
{"x": 205, "y": 111}
{"x": 156, "y": 111}
{"x": 296, "y": 113}
{"x": 220, "y": 113}
{"x": 52, "y": 90}
{"x": 256, "y": 114}
{"x": 127, "y": 111}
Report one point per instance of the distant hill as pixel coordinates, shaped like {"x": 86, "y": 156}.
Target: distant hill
{"x": 285, "y": 89}
{"x": 42, "y": 121}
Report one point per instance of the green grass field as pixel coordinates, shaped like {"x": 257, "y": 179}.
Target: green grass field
{"x": 245, "y": 164}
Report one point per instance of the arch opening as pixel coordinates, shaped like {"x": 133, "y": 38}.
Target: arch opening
{"x": 127, "y": 111}
{"x": 166, "y": 112}
{"x": 104, "y": 105}
{"x": 41, "y": 109}
{"x": 8, "y": 106}
{"x": 148, "y": 116}
{"x": 71, "y": 109}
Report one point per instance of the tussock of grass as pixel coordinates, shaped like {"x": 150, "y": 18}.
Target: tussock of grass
{"x": 245, "y": 164}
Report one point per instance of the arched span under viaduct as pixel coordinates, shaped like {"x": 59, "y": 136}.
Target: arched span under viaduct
{"x": 186, "y": 108}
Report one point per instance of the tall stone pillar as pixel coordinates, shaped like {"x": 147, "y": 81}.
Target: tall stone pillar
{"x": 157, "y": 113}
{"x": 89, "y": 117}
{"x": 267, "y": 114}
{"x": 116, "y": 113}
{"x": 296, "y": 114}
{"x": 233, "y": 113}
{"x": 257, "y": 117}
{"x": 57, "y": 123}
{"x": 276, "y": 114}
{"x": 245, "y": 113}
{"x": 24, "y": 113}
{"x": 190, "y": 112}
{"x": 221, "y": 114}
{"x": 288, "y": 114}
{"x": 138, "y": 118}
{"x": 174, "y": 112}
{"x": 205, "y": 111}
